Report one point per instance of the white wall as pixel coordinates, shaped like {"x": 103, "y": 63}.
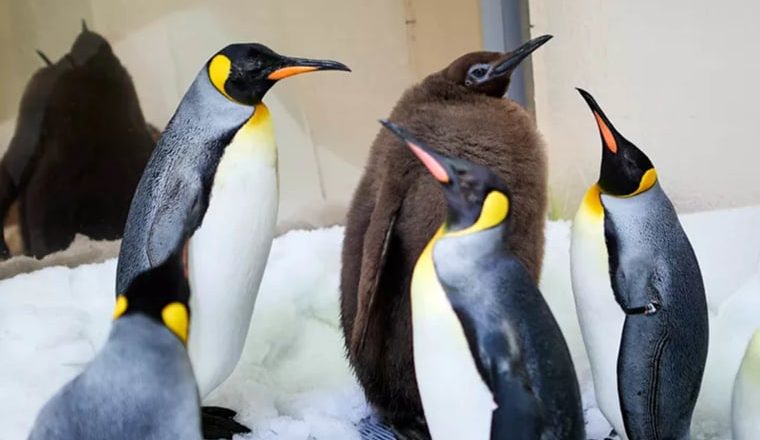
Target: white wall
{"x": 678, "y": 78}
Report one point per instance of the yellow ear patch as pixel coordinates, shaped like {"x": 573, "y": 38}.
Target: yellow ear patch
{"x": 647, "y": 181}
{"x": 176, "y": 319}
{"x": 121, "y": 306}
{"x": 218, "y": 72}
{"x": 494, "y": 211}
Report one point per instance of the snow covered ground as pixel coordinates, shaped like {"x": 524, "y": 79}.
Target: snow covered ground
{"x": 293, "y": 381}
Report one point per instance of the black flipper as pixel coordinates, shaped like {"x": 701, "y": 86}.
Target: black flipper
{"x": 637, "y": 285}
{"x": 518, "y": 413}
{"x": 181, "y": 209}
{"x": 219, "y": 423}
{"x": 640, "y": 382}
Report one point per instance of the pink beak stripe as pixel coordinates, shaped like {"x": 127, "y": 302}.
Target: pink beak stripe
{"x": 431, "y": 164}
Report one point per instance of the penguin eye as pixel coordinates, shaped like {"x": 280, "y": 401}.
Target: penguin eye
{"x": 479, "y": 72}
{"x": 476, "y": 74}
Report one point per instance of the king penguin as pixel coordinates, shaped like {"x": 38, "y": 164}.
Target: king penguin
{"x": 140, "y": 386}
{"x": 639, "y": 295}
{"x": 745, "y": 407}
{"x": 214, "y": 172}
{"x": 490, "y": 359}
{"x": 396, "y": 209}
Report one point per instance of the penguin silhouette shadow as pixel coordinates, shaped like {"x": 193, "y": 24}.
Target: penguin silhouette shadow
{"x": 78, "y": 150}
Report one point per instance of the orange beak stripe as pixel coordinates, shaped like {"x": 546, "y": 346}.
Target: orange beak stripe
{"x": 431, "y": 164}
{"x": 609, "y": 139}
{"x": 290, "y": 71}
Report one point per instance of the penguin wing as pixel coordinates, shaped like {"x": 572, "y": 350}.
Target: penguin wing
{"x": 374, "y": 256}
{"x": 498, "y": 358}
{"x": 638, "y": 280}
{"x": 180, "y": 212}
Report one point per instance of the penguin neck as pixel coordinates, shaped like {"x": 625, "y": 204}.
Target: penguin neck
{"x": 141, "y": 330}
{"x": 482, "y": 242}
{"x": 457, "y": 256}
{"x": 203, "y": 102}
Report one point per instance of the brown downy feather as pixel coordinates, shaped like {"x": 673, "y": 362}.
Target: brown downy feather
{"x": 462, "y": 122}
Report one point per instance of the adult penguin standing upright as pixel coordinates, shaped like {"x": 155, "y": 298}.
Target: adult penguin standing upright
{"x": 396, "y": 209}
{"x": 214, "y": 173}
{"x": 490, "y": 359}
{"x": 639, "y": 295}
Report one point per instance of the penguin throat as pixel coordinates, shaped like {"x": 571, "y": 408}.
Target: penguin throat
{"x": 647, "y": 181}
{"x": 493, "y": 213}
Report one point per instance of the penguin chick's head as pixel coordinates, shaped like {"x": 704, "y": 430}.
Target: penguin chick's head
{"x": 477, "y": 199}
{"x": 245, "y": 72}
{"x": 162, "y": 293}
{"x": 489, "y": 72}
{"x": 88, "y": 46}
{"x": 626, "y": 171}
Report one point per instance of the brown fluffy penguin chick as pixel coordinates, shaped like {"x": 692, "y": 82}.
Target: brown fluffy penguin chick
{"x": 79, "y": 149}
{"x": 397, "y": 207}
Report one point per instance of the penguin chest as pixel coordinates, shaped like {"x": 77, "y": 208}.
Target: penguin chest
{"x": 228, "y": 253}
{"x": 600, "y": 316}
{"x": 456, "y": 401}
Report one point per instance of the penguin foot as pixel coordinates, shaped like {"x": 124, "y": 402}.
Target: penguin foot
{"x": 613, "y": 435}
{"x": 218, "y": 422}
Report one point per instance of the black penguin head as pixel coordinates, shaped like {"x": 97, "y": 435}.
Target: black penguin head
{"x": 162, "y": 293}
{"x": 88, "y": 46}
{"x": 489, "y": 72}
{"x": 476, "y": 197}
{"x": 245, "y": 72}
{"x": 626, "y": 170}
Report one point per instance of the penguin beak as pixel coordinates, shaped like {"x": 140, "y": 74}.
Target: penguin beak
{"x": 437, "y": 164}
{"x": 295, "y": 66}
{"x": 607, "y": 131}
{"x": 508, "y": 63}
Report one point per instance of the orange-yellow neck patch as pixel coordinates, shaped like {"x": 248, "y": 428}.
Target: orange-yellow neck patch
{"x": 260, "y": 116}
{"x": 592, "y": 201}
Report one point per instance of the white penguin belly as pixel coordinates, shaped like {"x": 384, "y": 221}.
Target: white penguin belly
{"x": 600, "y": 317}
{"x": 457, "y": 403}
{"x": 228, "y": 253}
{"x": 745, "y": 407}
